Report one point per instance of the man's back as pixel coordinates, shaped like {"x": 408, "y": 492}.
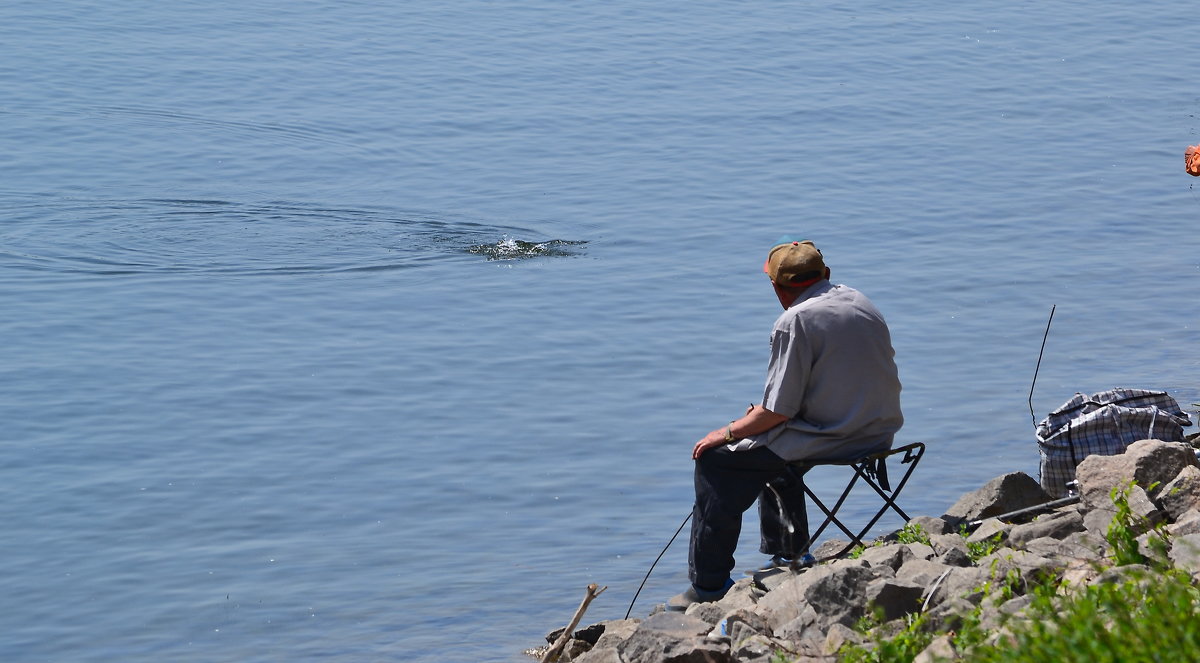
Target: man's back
{"x": 833, "y": 373}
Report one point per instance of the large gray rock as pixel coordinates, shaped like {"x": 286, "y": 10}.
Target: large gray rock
{"x": 965, "y": 583}
{"x": 894, "y": 598}
{"x": 599, "y": 655}
{"x": 1031, "y": 568}
{"x": 840, "y": 596}
{"x": 743, "y": 623}
{"x": 675, "y": 638}
{"x": 940, "y": 650}
{"x": 615, "y": 629}
{"x": 1188, "y": 523}
{"x": 824, "y": 588}
{"x": 839, "y": 636}
{"x": 921, "y": 572}
{"x": 921, "y": 550}
{"x": 944, "y": 542}
{"x": 892, "y": 556}
{"x": 1181, "y": 494}
{"x": 1103, "y": 511}
{"x": 1077, "y": 546}
{"x": 955, "y": 557}
{"x": 1185, "y": 553}
{"x": 1150, "y": 463}
{"x": 932, "y": 526}
{"x": 1056, "y": 525}
{"x": 991, "y": 529}
{"x": 1003, "y": 494}
{"x": 950, "y": 615}
{"x": 755, "y": 649}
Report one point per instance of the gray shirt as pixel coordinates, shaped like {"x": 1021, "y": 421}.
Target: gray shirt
{"x": 833, "y": 374}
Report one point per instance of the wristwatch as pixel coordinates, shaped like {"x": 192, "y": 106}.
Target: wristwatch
{"x": 729, "y": 433}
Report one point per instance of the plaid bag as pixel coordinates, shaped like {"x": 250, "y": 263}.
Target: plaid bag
{"x": 1103, "y": 423}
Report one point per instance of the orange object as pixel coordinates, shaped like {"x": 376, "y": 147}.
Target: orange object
{"x": 1191, "y": 160}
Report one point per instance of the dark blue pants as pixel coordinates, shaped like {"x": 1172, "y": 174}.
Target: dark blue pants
{"x": 727, "y": 483}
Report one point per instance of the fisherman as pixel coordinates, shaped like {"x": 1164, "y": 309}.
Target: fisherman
{"x": 832, "y": 393}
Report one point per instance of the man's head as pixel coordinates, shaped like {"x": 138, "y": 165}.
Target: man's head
{"x": 793, "y": 266}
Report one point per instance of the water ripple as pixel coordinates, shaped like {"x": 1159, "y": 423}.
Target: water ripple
{"x": 167, "y": 236}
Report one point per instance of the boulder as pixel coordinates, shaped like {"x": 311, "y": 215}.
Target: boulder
{"x": 839, "y": 636}
{"x": 942, "y": 543}
{"x": 932, "y": 526}
{"x": 1145, "y": 514}
{"x": 921, "y": 550}
{"x": 1185, "y": 553}
{"x": 1181, "y": 494}
{"x": 1055, "y": 525}
{"x": 956, "y": 557}
{"x": 892, "y": 556}
{"x": 939, "y": 650}
{"x": 1003, "y": 494}
{"x": 1031, "y": 568}
{"x": 950, "y": 615}
{"x": 742, "y": 624}
{"x": 921, "y": 572}
{"x": 966, "y": 583}
{"x": 1188, "y": 523}
{"x": 755, "y": 649}
{"x": 1078, "y": 546}
{"x": 893, "y": 598}
{"x": 840, "y": 596}
{"x": 835, "y": 591}
{"x": 1152, "y": 464}
{"x": 599, "y": 655}
{"x": 672, "y": 637}
{"x": 990, "y": 530}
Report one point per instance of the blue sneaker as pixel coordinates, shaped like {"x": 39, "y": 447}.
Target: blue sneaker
{"x": 781, "y": 562}
{"x": 694, "y": 594}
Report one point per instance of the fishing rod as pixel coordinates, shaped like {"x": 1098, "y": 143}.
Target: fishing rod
{"x": 1032, "y": 416}
{"x": 664, "y": 551}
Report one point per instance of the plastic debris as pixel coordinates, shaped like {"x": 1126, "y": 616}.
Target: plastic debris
{"x": 1191, "y": 160}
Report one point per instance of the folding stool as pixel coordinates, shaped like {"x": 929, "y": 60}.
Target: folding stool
{"x": 872, "y": 469}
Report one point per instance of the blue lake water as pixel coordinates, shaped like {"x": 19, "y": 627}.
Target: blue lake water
{"x": 377, "y": 331}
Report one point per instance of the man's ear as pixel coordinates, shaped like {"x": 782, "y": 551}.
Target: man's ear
{"x": 827, "y": 273}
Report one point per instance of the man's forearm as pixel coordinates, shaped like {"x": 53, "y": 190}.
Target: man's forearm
{"x": 756, "y": 420}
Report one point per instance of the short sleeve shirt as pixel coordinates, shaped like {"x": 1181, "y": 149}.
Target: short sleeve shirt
{"x": 833, "y": 374}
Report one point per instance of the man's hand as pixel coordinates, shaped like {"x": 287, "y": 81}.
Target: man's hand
{"x": 713, "y": 439}
{"x": 756, "y": 420}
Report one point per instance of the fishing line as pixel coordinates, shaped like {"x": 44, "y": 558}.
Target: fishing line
{"x": 1032, "y": 416}
{"x": 664, "y": 551}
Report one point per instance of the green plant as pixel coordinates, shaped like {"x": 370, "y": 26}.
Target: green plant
{"x": 977, "y": 550}
{"x": 1147, "y": 619}
{"x": 912, "y": 533}
{"x": 904, "y": 645}
{"x": 1122, "y": 533}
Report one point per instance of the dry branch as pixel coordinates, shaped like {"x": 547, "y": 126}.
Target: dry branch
{"x": 555, "y": 650}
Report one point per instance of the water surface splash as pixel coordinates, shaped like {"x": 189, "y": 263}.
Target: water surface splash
{"x": 516, "y": 249}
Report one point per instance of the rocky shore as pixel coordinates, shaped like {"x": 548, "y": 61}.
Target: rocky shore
{"x": 943, "y": 569}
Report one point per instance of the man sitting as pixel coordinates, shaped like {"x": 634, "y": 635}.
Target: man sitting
{"x": 832, "y": 392}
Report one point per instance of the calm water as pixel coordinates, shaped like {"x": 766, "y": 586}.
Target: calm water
{"x": 375, "y": 331}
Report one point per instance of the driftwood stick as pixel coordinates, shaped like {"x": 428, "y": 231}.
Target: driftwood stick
{"x": 555, "y": 650}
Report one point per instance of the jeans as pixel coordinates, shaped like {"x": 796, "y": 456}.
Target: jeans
{"x": 727, "y": 483}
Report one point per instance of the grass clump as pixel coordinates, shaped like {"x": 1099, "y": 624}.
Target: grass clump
{"x": 1148, "y": 615}
{"x": 1147, "y": 619}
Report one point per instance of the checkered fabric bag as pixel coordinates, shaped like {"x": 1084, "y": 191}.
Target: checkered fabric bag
{"x": 1103, "y": 423}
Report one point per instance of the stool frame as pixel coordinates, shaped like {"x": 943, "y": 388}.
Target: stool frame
{"x": 872, "y": 469}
